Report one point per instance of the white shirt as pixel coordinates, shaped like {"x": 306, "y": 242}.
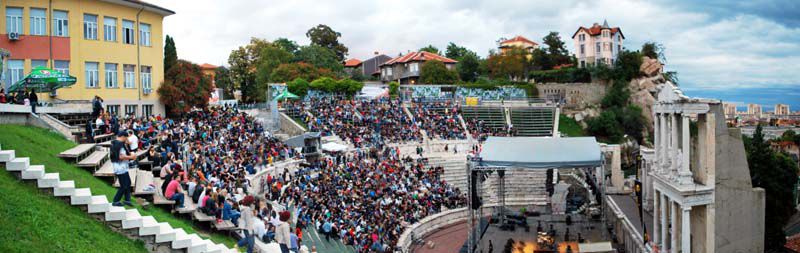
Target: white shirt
{"x": 134, "y": 142}
{"x": 99, "y": 122}
{"x": 259, "y": 228}
{"x": 121, "y": 167}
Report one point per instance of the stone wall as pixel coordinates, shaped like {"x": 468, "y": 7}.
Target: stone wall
{"x": 290, "y": 127}
{"x": 575, "y": 95}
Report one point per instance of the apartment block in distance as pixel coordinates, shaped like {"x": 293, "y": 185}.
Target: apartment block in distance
{"x": 113, "y": 47}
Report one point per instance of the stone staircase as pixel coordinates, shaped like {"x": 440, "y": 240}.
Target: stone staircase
{"x": 523, "y": 187}
{"x": 158, "y": 236}
{"x": 455, "y": 169}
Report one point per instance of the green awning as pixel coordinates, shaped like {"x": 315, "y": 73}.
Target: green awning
{"x": 43, "y": 79}
{"x": 286, "y": 95}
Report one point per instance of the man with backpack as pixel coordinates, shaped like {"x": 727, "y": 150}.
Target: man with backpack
{"x": 119, "y": 161}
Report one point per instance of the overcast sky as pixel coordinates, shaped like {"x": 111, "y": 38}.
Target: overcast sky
{"x": 712, "y": 45}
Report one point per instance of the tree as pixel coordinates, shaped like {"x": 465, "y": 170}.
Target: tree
{"x": 185, "y": 88}
{"x": 435, "y": 72}
{"x": 286, "y": 44}
{"x": 243, "y": 66}
{"x": 468, "y": 66}
{"x": 358, "y": 74}
{"x": 430, "y": 49}
{"x": 605, "y": 126}
{"x": 290, "y": 71}
{"x": 627, "y": 65}
{"x": 222, "y": 78}
{"x": 394, "y": 89}
{"x": 654, "y": 51}
{"x": 777, "y": 174}
{"x": 454, "y": 51}
{"x": 298, "y": 86}
{"x": 320, "y": 57}
{"x": 325, "y": 84}
{"x": 348, "y": 87}
{"x": 557, "y": 53}
{"x": 324, "y": 36}
{"x": 511, "y": 65}
{"x": 271, "y": 57}
{"x": 170, "y": 54}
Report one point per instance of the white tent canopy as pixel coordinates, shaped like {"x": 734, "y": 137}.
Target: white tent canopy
{"x": 541, "y": 152}
{"x": 333, "y": 147}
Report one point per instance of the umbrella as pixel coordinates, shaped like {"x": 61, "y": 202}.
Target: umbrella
{"x": 333, "y": 147}
{"x": 286, "y": 95}
{"x": 42, "y": 79}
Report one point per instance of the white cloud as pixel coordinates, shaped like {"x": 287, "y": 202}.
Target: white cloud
{"x": 708, "y": 51}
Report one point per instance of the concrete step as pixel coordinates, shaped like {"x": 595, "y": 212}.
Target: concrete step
{"x": 115, "y": 213}
{"x": 64, "y": 188}
{"x": 132, "y": 219}
{"x": 18, "y": 164}
{"x": 99, "y": 204}
{"x": 149, "y": 226}
{"x": 49, "y": 180}
{"x": 33, "y": 172}
{"x": 165, "y": 233}
{"x": 182, "y": 240}
{"x": 198, "y": 245}
{"x": 81, "y": 196}
{"x": 7, "y": 155}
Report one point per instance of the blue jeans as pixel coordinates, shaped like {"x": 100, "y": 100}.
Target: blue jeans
{"x": 124, "y": 188}
{"x": 235, "y": 217}
{"x": 248, "y": 240}
{"x": 178, "y": 198}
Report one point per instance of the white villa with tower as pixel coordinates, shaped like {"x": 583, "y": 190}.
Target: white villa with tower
{"x": 597, "y": 44}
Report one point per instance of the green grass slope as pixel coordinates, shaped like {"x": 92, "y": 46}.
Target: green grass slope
{"x": 43, "y": 146}
{"x": 32, "y": 221}
{"x": 569, "y": 127}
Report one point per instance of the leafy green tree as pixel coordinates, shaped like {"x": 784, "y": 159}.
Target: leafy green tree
{"x": 606, "y": 126}
{"x": 298, "y": 86}
{"x": 290, "y": 71}
{"x": 653, "y": 50}
{"x": 617, "y": 95}
{"x": 454, "y": 51}
{"x": 348, "y": 87}
{"x": 222, "y": 78}
{"x": 468, "y": 66}
{"x": 627, "y": 65}
{"x": 511, "y": 65}
{"x": 287, "y": 45}
{"x": 435, "y": 72}
{"x": 358, "y": 74}
{"x": 170, "y": 54}
{"x": 185, "y": 88}
{"x": 394, "y": 89}
{"x": 271, "y": 57}
{"x": 556, "y": 50}
{"x": 325, "y": 84}
{"x": 324, "y": 36}
{"x": 320, "y": 57}
{"x": 430, "y": 49}
{"x": 777, "y": 174}
{"x": 243, "y": 63}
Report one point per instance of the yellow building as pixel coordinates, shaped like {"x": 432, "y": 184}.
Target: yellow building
{"x": 113, "y": 47}
{"x": 518, "y": 42}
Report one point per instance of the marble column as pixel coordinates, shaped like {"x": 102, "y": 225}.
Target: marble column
{"x": 657, "y": 136}
{"x": 662, "y": 162}
{"x": 674, "y": 144}
{"x": 673, "y": 216}
{"x": 686, "y": 229}
{"x": 664, "y": 206}
{"x": 655, "y": 237}
{"x": 684, "y": 171}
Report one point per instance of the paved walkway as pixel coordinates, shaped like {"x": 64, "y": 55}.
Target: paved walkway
{"x": 628, "y": 207}
{"x": 448, "y": 239}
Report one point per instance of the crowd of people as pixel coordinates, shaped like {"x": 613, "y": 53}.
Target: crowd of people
{"x": 439, "y": 119}
{"x": 23, "y": 97}
{"x": 480, "y": 130}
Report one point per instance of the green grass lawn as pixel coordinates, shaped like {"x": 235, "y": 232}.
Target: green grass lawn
{"x": 569, "y": 127}
{"x": 43, "y": 146}
{"x": 33, "y": 221}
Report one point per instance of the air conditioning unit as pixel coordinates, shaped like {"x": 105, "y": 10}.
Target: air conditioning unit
{"x": 13, "y": 36}
{"x": 148, "y": 91}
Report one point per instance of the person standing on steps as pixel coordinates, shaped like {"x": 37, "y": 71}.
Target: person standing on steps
{"x": 119, "y": 161}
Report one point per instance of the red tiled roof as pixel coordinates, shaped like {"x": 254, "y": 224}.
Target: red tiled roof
{"x": 518, "y": 39}
{"x": 207, "y": 66}
{"x": 352, "y": 62}
{"x": 597, "y": 29}
{"x": 419, "y": 56}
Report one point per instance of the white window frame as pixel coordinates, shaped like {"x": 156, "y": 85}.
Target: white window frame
{"x": 147, "y": 110}
{"x": 63, "y": 70}
{"x": 111, "y": 75}
{"x": 16, "y": 71}
{"x": 110, "y": 29}
{"x": 583, "y": 49}
{"x": 92, "y": 75}
{"x": 389, "y": 71}
{"x": 89, "y": 27}
{"x": 146, "y": 77}
{"x": 112, "y": 109}
{"x": 38, "y": 23}
{"x": 130, "y": 109}
{"x": 129, "y": 32}
{"x": 144, "y": 36}
{"x": 14, "y": 22}
{"x": 38, "y": 61}
{"x": 130, "y": 76}
{"x": 60, "y": 25}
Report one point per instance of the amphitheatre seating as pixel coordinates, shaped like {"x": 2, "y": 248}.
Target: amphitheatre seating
{"x": 107, "y": 170}
{"x": 143, "y": 178}
{"x": 106, "y": 144}
{"x": 522, "y": 187}
{"x": 455, "y": 170}
{"x": 94, "y": 160}
{"x": 493, "y": 117}
{"x": 78, "y": 152}
{"x": 131, "y": 173}
{"x": 130, "y": 219}
{"x": 158, "y": 196}
{"x": 100, "y": 138}
{"x": 200, "y": 216}
{"x": 533, "y": 121}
